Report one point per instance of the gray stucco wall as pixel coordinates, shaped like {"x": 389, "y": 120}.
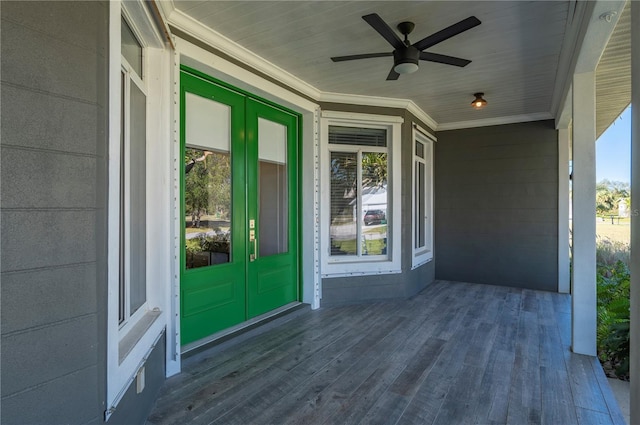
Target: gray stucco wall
{"x": 344, "y": 290}
{"x": 54, "y": 92}
{"x": 496, "y": 205}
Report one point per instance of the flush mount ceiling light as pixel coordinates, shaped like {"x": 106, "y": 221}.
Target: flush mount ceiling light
{"x": 479, "y": 102}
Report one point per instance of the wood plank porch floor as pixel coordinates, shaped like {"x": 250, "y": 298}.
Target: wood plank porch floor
{"x": 457, "y": 353}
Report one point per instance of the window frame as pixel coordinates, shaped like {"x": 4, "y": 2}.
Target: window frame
{"x": 422, "y": 255}
{"x": 129, "y": 343}
{"x": 337, "y": 266}
{"x": 130, "y": 77}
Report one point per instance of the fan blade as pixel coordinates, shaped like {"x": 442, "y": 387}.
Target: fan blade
{"x": 363, "y": 56}
{"x": 384, "y": 30}
{"x": 440, "y": 36}
{"x": 448, "y": 60}
{"x": 393, "y": 75}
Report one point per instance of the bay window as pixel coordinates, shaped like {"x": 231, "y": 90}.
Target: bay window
{"x": 360, "y": 208}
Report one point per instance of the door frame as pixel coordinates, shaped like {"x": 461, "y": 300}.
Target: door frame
{"x": 199, "y": 54}
{"x": 180, "y": 198}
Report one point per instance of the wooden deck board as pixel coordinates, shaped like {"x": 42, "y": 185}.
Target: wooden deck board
{"x": 584, "y": 384}
{"x": 493, "y": 399}
{"x": 455, "y": 353}
{"x": 591, "y": 417}
{"x": 558, "y": 406}
{"x": 312, "y": 394}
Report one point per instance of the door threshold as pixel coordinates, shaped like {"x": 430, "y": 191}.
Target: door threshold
{"x": 245, "y": 330}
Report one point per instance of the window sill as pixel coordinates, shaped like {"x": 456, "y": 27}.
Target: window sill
{"x": 359, "y": 269}
{"x": 421, "y": 263}
{"x": 129, "y": 341}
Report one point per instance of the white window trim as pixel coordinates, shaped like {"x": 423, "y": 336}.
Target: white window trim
{"x": 145, "y": 327}
{"x": 336, "y": 267}
{"x": 420, "y": 256}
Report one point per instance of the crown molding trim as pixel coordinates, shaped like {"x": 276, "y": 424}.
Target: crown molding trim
{"x": 422, "y": 115}
{"x": 198, "y": 30}
{"x": 513, "y": 119}
{"x": 384, "y": 102}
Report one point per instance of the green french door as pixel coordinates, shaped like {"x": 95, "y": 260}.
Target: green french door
{"x": 239, "y": 203}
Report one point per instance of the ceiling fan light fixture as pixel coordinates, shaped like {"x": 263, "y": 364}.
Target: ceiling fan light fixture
{"x": 406, "y": 67}
{"x": 478, "y": 102}
{"x": 405, "y": 61}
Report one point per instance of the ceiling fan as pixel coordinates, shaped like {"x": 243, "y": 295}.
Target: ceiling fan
{"x": 406, "y": 55}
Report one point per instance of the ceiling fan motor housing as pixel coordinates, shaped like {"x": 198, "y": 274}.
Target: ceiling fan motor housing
{"x": 408, "y": 55}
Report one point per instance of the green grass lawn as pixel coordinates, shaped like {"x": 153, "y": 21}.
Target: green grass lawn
{"x": 615, "y": 232}
{"x": 371, "y": 246}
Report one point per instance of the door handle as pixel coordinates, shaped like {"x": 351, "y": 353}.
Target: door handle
{"x": 252, "y": 238}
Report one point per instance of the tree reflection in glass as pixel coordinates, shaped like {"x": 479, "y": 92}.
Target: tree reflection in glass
{"x": 207, "y": 203}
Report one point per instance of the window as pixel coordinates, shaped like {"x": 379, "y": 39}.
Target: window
{"x": 136, "y": 296}
{"x": 358, "y": 191}
{"x": 133, "y": 151}
{"x": 359, "y": 211}
{"x": 422, "y": 199}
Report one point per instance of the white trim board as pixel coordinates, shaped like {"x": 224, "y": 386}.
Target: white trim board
{"x": 385, "y": 102}
{"x": 513, "y": 119}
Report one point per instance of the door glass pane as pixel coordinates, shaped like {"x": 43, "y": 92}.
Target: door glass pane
{"x": 207, "y": 123}
{"x": 207, "y": 182}
{"x": 343, "y": 199}
{"x": 138, "y": 196}
{"x": 273, "y": 211}
{"x": 374, "y": 203}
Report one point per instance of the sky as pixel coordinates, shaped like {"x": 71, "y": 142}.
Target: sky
{"x": 613, "y": 150}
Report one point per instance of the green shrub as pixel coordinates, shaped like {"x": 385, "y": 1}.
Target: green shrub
{"x": 613, "y": 286}
{"x": 208, "y": 243}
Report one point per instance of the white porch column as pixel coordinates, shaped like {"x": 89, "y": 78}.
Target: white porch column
{"x": 635, "y": 213}
{"x": 563, "y": 210}
{"x": 583, "y": 298}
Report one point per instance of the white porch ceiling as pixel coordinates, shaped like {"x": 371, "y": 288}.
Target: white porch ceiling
{"x": 613, "y": 74}
{"x": 514, "y": 52}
